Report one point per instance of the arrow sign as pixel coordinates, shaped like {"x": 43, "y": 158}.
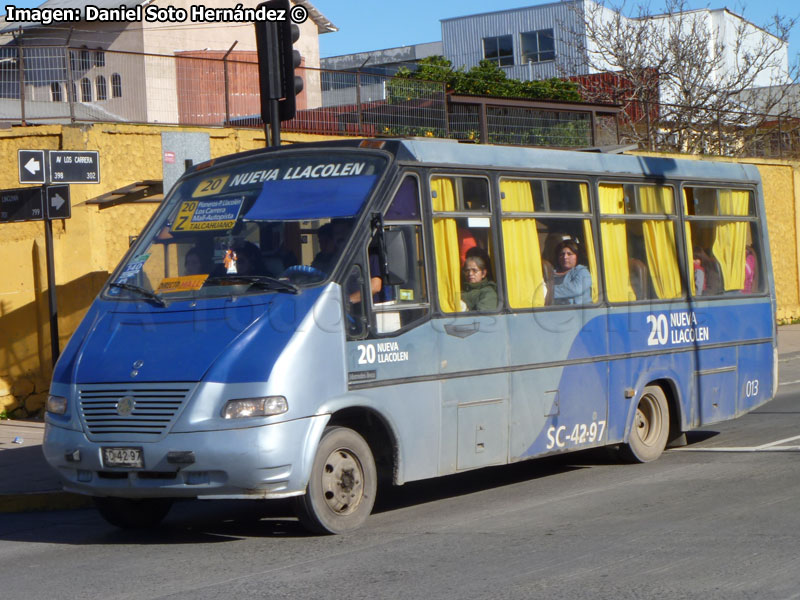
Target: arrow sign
{"x": 31, "y": 166}
{"x": 58, "y": 202}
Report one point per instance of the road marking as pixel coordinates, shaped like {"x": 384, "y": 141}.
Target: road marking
{"x": 791, "y": 439}
{"x": 742, "y": 449}
{"x": 768, "y": 447}
{"x": 789, "y": 382}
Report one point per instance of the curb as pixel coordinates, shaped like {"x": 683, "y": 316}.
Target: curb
{"x": 41, "y": 501}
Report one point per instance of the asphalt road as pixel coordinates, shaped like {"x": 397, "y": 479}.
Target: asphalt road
{"x": 718, "y": 518}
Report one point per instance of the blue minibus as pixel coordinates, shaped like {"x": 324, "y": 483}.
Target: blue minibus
{"x": 309, "y": 321}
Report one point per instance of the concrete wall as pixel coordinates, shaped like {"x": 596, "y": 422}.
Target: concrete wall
{"x": 87, "y": 246}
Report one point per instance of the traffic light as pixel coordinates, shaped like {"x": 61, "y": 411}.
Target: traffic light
{"x": 277, "y": 61}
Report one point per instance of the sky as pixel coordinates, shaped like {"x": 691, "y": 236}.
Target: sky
{"x": 390, "y": 24}
{"x": 378, "y": 24}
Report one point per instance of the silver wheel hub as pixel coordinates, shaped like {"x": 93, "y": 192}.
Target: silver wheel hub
{"x": 342, "y": 482}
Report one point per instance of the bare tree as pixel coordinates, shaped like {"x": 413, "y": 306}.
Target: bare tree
{"x": 690, "y": 80}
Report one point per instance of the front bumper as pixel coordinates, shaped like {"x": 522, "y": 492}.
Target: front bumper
{"x": 269, "y": 461}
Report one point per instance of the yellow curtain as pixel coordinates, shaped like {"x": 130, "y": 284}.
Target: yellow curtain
{"x": 615, "y": 244}
{"x": 689, "y": 246}
{"x": 521, "y": 247}
{"x": 730, "y": 239}
{"x": 659, "y": 241}
{"x": 589, "y": 239}
{"x": 445, "y": 241}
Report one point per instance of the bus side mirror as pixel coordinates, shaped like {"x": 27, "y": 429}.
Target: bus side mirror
{"x": 396, "y": 259}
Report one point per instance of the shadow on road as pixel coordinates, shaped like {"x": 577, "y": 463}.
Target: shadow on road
{"x": 219, "y": 521}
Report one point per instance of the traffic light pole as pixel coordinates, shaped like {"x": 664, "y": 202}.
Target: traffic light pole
{"x": 275, "y": 123}
{"x": 277, "y": 61}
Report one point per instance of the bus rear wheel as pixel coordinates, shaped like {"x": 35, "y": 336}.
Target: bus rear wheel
{"x": 128, "y": 513}
{"x": 650, "y": 429}
{"x": 343, "y": 483}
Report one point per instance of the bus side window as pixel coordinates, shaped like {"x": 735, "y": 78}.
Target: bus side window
{"x": 399, "y": 296}
{"x": 638, "y": 230}
{"x": 466, "y": 284}
{"x": 353, "y": 291}
{"x": 725, "y": 249}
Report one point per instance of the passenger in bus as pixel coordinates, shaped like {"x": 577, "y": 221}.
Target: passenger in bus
{"x": 750, "y": 266}
{"x": 699, "y": 271}
{"x": 248, "y": 259}
{"x": 712, "y": 284}
{"x": 478, "y": 291}
{"x": 275, "y": 255}
{"x": 466, "y": 242}
{"x": 194, "y": 263}
{"x": 572, "y": 282}
{"x": 327, "y": 249}
{"x": 380, "y": 292}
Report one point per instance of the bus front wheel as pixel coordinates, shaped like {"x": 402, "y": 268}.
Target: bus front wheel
{"x": 343, "y": 483}
{"x": 650, "y": 429}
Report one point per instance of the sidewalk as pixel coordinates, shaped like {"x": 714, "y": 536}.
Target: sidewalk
{"x": 27, "y": 483}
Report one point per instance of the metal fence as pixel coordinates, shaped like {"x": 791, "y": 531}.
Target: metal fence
{"x": 45, "y": 84}
{"x": 707, "y": 131}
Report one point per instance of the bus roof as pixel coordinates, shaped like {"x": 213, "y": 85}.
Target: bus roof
{"x": 437, "y": 152}
{"x": 443, "y": 152}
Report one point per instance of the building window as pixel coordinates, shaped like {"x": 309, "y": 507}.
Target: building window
{"x": 102, "y": 89}
{"x": 74, "y": 91}
{"x": 499, "y": 49}
{"x": 538, "y": 46}
{"x": 86, "y": 90}
{"x": 86, "y": 62}
{"x": 99, "y": 58}
{"x": 55, "y": 92}
{"x": 116, "y": 86}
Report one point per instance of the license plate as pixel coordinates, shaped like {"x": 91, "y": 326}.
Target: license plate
{"x": 123, "y": 457}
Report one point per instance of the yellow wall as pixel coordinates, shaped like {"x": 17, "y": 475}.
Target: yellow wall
{"x": 88, "y": 246}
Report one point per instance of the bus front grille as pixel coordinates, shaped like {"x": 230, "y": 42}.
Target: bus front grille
{"x": 141, "y": 410}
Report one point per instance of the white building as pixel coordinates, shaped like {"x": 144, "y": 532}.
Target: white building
{"x": 118, "y": 68}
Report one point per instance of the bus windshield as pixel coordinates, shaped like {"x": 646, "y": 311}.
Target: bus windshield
{"x": 278, "y": 223}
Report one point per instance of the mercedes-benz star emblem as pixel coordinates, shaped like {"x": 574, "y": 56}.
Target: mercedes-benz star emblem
{"x": 125, "y": 406}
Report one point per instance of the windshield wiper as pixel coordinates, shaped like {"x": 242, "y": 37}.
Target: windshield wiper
{"x": 262, "y": 281}
{"x": 140, "y": 290}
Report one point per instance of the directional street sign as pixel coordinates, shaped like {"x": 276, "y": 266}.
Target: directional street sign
{"x": 31, "y": 166}
{"x": 58, "y": 202}
{"x": 74, "y": 166}
{"x": 21, "y": 204}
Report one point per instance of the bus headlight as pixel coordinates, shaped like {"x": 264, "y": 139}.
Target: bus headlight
{"x": 56, "y": 405}
{"x": 268, "y": 406}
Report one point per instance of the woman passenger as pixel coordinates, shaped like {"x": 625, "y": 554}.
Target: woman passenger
{"x": 572, "y": 283}
{"x": 478, "y": 292}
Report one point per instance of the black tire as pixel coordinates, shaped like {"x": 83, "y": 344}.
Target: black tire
{"x": 650, "y": 428}
{"x": 343, "y": 483}
{"x": 127, "y": 513}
